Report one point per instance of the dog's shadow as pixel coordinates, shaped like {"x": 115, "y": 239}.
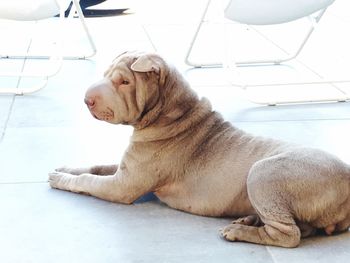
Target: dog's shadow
{"x": 146, "y": 198}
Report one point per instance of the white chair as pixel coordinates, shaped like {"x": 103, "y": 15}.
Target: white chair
{"x": 270, "y": 12}
{"x": 24, "y": 10}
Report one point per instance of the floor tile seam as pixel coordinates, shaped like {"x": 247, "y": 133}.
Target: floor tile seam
{"x": 189, "y": 22}
{"x": 12, "y": 127}
{"x": 47, "y": 126}
{"x": 294, "y": 120}
{"x": 2, "y": 135}
{"x": 20, "y": 183}
{"x": 268, "y": 249}
{"x": 166, "y": 25}
{"x": 226, "y": 85}
{"x": 149, "y": 38}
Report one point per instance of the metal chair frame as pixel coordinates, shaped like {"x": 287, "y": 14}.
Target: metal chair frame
{"x": 314, "y": 20}
{"x": 56, "y": 58}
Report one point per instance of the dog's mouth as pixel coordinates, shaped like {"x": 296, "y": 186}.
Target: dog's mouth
{"x": 94, "y": 114}
{"x": 106, "y": 115}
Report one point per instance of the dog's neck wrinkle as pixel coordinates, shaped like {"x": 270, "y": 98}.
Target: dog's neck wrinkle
{"x": 178, "y": 101}
{"x": 173, "y": 128}
{"x": 178, "y": 108}
{"x": 152, "y": 111}
{"x": 175, "y": 100}
{"x": 148, "y": 116}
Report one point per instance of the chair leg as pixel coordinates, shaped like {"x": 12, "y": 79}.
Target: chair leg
{"x": 87, "y": 32}
{"x": 193, "y": 40}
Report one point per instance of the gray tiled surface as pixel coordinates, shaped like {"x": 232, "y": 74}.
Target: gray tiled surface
{"x": 320, "y": 249}
{"x": 63, "y": 94}
{"x": 51, "y": 128}
{"x": 63, "y": 227}
{"x": 28, "y": 154}
{"x": 5, "y": 104}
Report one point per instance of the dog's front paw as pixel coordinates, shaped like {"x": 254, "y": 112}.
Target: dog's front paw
{"x": 55, "y": 179}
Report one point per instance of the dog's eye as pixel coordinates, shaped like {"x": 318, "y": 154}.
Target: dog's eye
{"x": 125, "y": 82}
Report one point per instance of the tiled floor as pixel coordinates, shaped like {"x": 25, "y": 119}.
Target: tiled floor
{"x": 42, "y": 131}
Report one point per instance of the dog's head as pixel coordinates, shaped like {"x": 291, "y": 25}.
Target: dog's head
{"x": 129, "y": 89}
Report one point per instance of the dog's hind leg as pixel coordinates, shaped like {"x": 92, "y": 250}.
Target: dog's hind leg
{"x": 272, "y": 233}
{"x": 278, "y": 229}
{"x": 342, "y": 225}
{"x": 270, "y": 201}
{"x": 306, "y": 230}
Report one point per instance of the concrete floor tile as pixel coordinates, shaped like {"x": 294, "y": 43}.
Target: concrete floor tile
{"x": 207, "y": 78}
{"x": 233, "y": 104}
{"x": 315, "y": 250}
{"x": 328, "y": 135}
{"x": 42, "y": 111}
{"x": 321, "y": 111}
{"x": 9, "y": 71}
{"x": 64, "y": 227}
{"x": 5, "y": 107}
{"x": 60, "y": 102}
{"x": 29, "y": 154}
{"x": 163, "y": 38}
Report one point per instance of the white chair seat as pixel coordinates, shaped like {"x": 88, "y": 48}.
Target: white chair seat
{"x": 25, "y": 10}
{"x": 268, "y": 12}
{"x": 33, "y": 10}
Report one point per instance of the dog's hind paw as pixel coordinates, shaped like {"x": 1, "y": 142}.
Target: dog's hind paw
{"x": 233, "y": 232}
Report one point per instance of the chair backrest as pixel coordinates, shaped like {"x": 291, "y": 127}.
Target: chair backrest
{"x": 267, "y": 12}
{"x": 30, "y": 10}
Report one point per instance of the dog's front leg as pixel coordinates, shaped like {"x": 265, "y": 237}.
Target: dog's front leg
{"x": 96, "y": 169}
{"x": 115, "y": 188}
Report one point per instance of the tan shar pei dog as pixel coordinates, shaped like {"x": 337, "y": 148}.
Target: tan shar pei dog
{"x": 194, "y": 161}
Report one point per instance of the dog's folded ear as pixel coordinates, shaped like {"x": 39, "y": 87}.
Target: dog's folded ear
{"x": 145, "y": 63}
